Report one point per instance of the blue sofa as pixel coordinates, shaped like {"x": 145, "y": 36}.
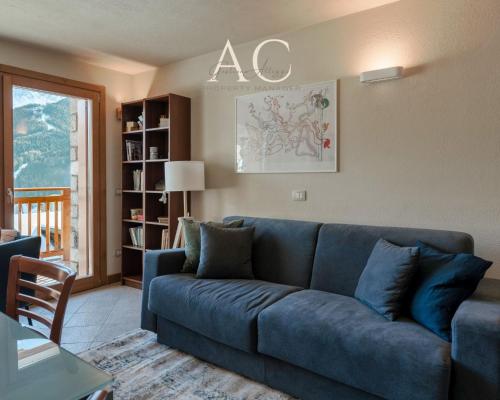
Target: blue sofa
{"x": 298, "y": 328}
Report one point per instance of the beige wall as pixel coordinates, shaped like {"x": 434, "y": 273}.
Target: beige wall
{"x": 118, "y": 88}
{"x": 423, "y": 151}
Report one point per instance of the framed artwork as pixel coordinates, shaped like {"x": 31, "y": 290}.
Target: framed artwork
{"x": 288, "y": 130}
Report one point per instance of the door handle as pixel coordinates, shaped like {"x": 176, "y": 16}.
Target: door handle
{"x": 10, "y": 193}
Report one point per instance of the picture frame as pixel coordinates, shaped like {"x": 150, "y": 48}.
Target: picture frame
{"x": 287, "y": 130}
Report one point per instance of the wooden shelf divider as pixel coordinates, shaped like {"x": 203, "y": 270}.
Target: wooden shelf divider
{"x": 174, "y": 144}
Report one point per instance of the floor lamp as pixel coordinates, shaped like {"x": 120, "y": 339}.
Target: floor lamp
{"x": 184, "y": 176}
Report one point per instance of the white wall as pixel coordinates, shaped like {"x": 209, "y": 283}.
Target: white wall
{"x": 118, "y": 89}
{"x": 423, "y": 151}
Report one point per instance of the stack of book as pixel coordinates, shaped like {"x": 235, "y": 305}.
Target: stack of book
{"x": 137, "y": 236}
{"x": 134, "y": 150}
{"x": 164, "y": 239}
{"x": 138, "y": 176}
{"x": 163, "y": 220}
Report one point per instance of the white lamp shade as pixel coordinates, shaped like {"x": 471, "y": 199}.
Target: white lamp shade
{"x": 184, "y": 176}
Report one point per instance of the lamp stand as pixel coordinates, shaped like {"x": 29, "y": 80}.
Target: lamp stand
{"x": 179, "y": 238}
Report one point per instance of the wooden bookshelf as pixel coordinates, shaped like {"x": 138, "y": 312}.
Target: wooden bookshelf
{"x": 174, "y": 144}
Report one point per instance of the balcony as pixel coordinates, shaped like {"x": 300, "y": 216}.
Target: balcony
{"x": 45, "y": 212}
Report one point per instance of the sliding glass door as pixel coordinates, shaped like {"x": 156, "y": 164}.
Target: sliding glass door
{"x": 49, "y": 163}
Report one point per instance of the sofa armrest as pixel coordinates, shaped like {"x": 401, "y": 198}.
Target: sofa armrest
{"x": 157, "y": 263}
{"x": 475, "y": 345}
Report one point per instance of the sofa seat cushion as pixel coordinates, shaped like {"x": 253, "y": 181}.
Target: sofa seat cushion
{"x": 223, "y": 310}
{"x": 340, "y": 338}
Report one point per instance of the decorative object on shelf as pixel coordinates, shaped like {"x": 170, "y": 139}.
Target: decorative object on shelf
{"x": 131, "y": 126}
{"x": 288, "y": 130}
{"x": 160, "y": 185}
{"x": 164, "y": 239}
{"x": 138, "y": 176}
{"x": 153, "y": 153}
{"x": 134, "y": 150}
{"x": 163, "y": 220}
{"x": 140, "y": 121}
{"x": 137, "y": 214}
{"x": 164, "y": 122}
{"x": 184, "y": 176}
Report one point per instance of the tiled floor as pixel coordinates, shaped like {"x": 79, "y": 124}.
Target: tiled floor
{"x": 98, "y": 316}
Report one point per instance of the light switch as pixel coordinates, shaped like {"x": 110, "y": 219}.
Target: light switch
{"x": 299, "y": 195}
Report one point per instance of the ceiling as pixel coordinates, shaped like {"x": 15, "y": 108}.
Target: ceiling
{"x": 135, "y": 35}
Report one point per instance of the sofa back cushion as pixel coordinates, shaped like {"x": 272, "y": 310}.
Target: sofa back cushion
{"x": 343, "y": 250}
{"x": 283, "y": 250}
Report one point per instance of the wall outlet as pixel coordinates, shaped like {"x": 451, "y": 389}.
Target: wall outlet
{"x": 299, "y": 195}
{"x": 118, "y": 252}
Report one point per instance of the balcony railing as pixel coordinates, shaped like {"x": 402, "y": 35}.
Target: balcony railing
{"x": 46, "y": 212}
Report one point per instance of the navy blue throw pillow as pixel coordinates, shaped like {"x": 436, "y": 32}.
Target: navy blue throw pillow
{"x": 387, "y": 278}
{"x": 443, "y": 281}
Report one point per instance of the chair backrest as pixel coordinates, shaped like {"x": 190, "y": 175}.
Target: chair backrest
{"x": 100, "y": 395}
{"x": 24, "y": 246}
{"x": 60, "y": 292}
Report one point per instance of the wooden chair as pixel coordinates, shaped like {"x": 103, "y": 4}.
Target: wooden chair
{"x": 100, "y": 395}
{"x": 60, "y": 292}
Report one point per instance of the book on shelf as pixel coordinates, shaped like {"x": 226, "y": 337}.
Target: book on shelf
{"x": 163, "y": 220}
{"x": 164, "y": 239}
{"x": 137, "y": 236}
{"x": 138, "y": 177}
{"x": 134, "y": 150}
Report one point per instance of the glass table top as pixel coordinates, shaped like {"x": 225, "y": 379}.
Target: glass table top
{"x": 32, "y": 367}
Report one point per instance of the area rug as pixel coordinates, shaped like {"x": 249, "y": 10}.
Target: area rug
{"x": 145, "y": 369}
